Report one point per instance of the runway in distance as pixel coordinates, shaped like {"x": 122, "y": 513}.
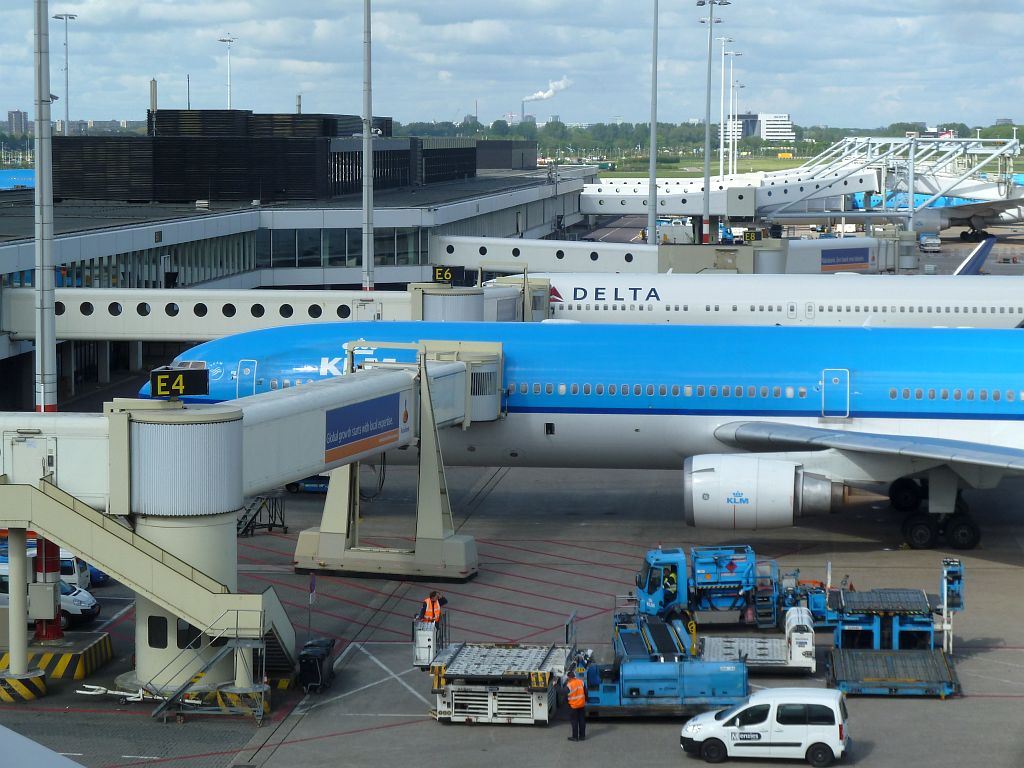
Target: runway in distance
{"x": 765, "y": 424}
{"x": 845, "y": 299}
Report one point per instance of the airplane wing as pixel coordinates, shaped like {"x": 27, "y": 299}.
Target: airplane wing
{"x": 767, "y": 436}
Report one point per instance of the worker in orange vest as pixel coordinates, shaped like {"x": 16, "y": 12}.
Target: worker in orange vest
{"x": 576, "y": 697}
{"x": 431, "y": 608}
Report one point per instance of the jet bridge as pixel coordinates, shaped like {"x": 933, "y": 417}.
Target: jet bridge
{"x": 149, "y": 491}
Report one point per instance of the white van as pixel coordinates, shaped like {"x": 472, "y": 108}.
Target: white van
{"x": 797, "y": 723}
{"x": 76, "y": 605}
{"x": 74, "y": 570}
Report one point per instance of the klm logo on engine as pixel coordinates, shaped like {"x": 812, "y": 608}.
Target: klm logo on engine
{"x": 616, "y": 294}
{"x": 737, "y": 497}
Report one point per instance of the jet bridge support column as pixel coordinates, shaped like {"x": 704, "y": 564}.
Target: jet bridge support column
{"x": 438, "y": 553}
{"x": 18, "y": 682}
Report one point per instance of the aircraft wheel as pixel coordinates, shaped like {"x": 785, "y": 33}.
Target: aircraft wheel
{"x": 962, "y": 532}
{"x": 905, "y": 494}
{"x": 965, "y": 236}
{"x": 921, "y": 531}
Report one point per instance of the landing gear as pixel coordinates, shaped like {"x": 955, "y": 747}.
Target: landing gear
{"x": 906, "y": 495}
{"x": 962, "y": 532}
{"x": 921, "y": 531}
{"x": 974, "y": 235}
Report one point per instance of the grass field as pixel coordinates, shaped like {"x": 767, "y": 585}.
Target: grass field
{"x": 689, "y": 168}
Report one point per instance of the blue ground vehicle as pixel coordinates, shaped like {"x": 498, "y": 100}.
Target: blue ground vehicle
{"x": 729, "y": 578}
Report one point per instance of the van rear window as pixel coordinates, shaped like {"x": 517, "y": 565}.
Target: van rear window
{"x": 819, "y": 714}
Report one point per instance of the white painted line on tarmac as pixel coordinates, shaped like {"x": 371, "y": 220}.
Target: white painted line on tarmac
{"x": 72, "y": 754}
{"x": 341, "y": 656}
{"x": 408, "y": 687}
{"x": 340, "y": 696}
{"x": 140, "y": 757}
{"x": 961, "y": 673}
{"x": 116, "y": 616}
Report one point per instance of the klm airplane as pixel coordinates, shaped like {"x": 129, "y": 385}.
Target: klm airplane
{"x": 765, "y": 424}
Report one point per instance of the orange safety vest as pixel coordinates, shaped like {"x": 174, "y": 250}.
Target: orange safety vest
{"x": 577, "y": 693}
{"x": 431, "y": 610}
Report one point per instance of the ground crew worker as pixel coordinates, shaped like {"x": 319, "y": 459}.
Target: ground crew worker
{"x": 576, "y": 697}
{"x": 431, "y": 608}
{"x": 670, "y": 585}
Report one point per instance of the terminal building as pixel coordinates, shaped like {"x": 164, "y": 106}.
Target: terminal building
{"x": 230, "y": 199}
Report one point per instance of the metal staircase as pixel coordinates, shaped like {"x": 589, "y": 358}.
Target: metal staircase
{"x": 262, "y": 513}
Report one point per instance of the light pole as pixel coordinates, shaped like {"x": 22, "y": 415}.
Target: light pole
{"x": 229, "y": 40}
{"x": 652, "y": 192}
{"x": 710, "y": 21}
{"x": 721, "y": 110}
{"x": 66, "y": 17}
{"x": 729, "y": 134}
{"x": 735, "y": 106}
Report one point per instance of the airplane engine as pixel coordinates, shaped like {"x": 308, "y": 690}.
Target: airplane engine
{"x": 750, "y": 492}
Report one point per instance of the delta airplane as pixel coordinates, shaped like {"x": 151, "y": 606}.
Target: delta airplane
{"x": 959, "y": 300}
{"x": 765, "y": 424}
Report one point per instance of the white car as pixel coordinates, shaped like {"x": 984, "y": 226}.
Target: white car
{"x": 930, "y": 244}
{"x": 76, "y": 605}
{"x": 798, "y": 723}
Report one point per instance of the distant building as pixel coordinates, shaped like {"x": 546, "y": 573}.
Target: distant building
{"x": 1004, "y": 121}
{"x": 17, "y": 123}
{"x": 766, "y": 125}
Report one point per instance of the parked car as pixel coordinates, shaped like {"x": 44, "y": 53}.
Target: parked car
{"x": 798, "y": 723}
{"x": 97, "y": 578}
{"x": 76, "y": 605}
{"x": 930, "y": 244}
{"x": 311, "y": 484}
{"x": 72, "y": 568}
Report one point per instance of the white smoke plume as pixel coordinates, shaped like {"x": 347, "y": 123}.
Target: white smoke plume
{"x": 554, "y": 86}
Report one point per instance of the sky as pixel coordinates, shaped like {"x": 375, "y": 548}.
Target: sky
{"x": 846, "y": 63}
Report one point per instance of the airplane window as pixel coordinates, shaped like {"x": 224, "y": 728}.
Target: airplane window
{"x": 738, "y": 391}
{"x": 536, "y": 389}
{"x": 929, "y": 309}
{"x": 285, "y": 384}
{"x": 839, "y": 308}
{"x": 974, "y": 310}
{"x": 713, "y": 391}
{"x": 662, "y": 390}
{"x": 1010, "y": 395}
{"x": 829, "y": 307}
{"x": 524, "y": 388}
{"x": 650, "y": 307}
{"x": 760, "y": 307}
{"x": 984, "y": 310}
{"x": 944, "y": 394}
{"x": 983, "y": 394}
{"x": 686, "y": 307}
{"x": 931, "y": 394}
{"x": 778, "y": 307}
{"x": 956, "y": 394}
{"x": 856, "y": 308}
{"x": 956, "y": 310}
{"x": 274, "y": 383}
{"x": 751, "y": 307}
{"x": 561, "y": 389}
{"x": 586, "y": 389}
{"x": 716, "y": 307}
{"x": 911, "y": 310}
{"x": 614, "y": 307}
{"x": 918, "y": 394}
{"x": 821, "y": 307}
{"x": 764, "y": 391}
{"x": 575, "y": 389}
{"x": 902, "y": 308}
{"x": 947, "y": 310}
{"x": 885, "y": 309}
{"x": 770, "y": 307}
{"x": 650, "y": 389}
{"x": 847, "y": 307}
{"x": 802, "y": 392}
{"x": 1002, "y": 310}
{"x": 995, "y": 394}
{"x": 707, "y": 307}
{"x": 970, "y": 394}
{"x": 776, "y": 391}
{"x": 612, "y": 389}
{"x": 892, "y": 393}
{"x": 700, "y": 390}
{"x": 789, "y": 393}
{"x": 599, "y": 389}
{"x": 588, "y": 307}
{"x": 726, "y": 391}
{"x": 906, "y": 394}
{"x": 548, "y": 389}
{"x": 751, "y": 391}
{"x": 687, "y": 390}
{"x": 873, "y": 309}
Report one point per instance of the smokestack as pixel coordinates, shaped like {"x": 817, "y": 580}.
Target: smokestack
{"x": 522, "y": 111}
{"x": 152, "y": 94}
{"x": 298, "y": 103}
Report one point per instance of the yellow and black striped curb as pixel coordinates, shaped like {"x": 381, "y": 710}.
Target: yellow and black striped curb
{"x": 24, "y": 688}
{"x": 71, "y": 665}
{"x": 281, "y": 683}
{"x": 232, "y": 702}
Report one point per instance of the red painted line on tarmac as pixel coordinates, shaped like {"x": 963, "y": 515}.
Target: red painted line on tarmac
{"x": 559, "y": 556}
{"x": 405, "y": 616}
{"x": 88, "y": 710}
{"x": 510, "y": 561}
{"x": 991, "y": 696}
{"x": 290, "y": 555}
{"x": 577, "y": 545}
{"x": 560, "y": 626}
{"x": 539, "y": 595}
